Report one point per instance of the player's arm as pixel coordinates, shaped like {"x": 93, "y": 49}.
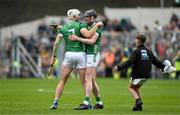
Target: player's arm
{"x": 89, "y": 33}
{"x": 157, "y": 62}
{"x": 166, "y": 68}
{"x": 91, "y": 41}
{"x": 126, "y": 64}
{"x": 55, "y": 47}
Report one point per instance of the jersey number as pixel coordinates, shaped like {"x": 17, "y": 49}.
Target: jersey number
{"x": 144, "y": 55}
{"x": 72, "y": 31}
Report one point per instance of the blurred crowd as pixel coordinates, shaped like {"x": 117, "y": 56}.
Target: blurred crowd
{"x": 117, "y": 43}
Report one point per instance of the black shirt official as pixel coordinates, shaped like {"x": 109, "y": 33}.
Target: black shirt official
{"x": 141, "y": 60}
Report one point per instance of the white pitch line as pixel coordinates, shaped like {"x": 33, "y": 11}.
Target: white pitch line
{"x": 52, "y": 91}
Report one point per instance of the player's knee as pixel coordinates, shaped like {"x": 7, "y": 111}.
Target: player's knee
{"x": 88, "y": 79}
{"x": 63, "y": 80}
{"x": 130, "y": 87}
{"x": 88, "y": 75}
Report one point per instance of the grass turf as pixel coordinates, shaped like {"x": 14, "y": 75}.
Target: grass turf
{"x": 34, "y": 96}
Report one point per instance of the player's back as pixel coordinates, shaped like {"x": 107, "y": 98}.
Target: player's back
{"x": 72, "y": 27}
{"x": 142, "y": 63}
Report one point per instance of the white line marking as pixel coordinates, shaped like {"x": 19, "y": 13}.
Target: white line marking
{"x": 52, "y": 91}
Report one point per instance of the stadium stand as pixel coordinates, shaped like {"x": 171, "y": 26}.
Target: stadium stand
{"x": 117, "y": 42}
{"x": 117, "y": 39}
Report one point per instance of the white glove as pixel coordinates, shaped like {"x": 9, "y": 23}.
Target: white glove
{"x": 169, "y": 69}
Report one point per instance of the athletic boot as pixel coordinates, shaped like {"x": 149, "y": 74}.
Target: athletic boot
{"x": 98, "y": 106}
{"x": 137, "y": 108}
{"x": 83, "y": 107}
{"x": 138, "y": 105}
{"x": 54, "y": 106}
{"x": 138, "y": 102}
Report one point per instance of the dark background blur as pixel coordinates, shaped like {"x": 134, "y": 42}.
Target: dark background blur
{"x": 16, "y": 11}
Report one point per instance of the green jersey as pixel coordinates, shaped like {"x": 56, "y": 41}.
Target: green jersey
{"x": 94, "y": 49}
{"x": 72, "y": 27}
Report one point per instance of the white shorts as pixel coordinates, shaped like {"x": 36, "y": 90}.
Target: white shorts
{"x": 92, "y": 60}
{"x": 138, "y": 81}
{"x": 75, "y": 60}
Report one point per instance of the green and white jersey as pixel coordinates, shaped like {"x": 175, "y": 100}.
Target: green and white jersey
{"x": 94, "y": 49}
{"x": 72, "y": 27}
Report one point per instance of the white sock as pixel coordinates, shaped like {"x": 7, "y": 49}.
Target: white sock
{"x": 86, "y": 102}
{"x": 100, "y": 102}
{"x": 56, "y": 100}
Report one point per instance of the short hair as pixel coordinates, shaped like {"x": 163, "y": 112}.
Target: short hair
{"x": 141, "y": 38}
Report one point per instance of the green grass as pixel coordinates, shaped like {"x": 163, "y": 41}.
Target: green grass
{"x": 34, "y": 96}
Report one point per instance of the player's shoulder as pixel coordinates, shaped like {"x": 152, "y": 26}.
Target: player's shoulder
{"x": 83, "y": 23}
{"x": 147, "y": 49}
{"x": 64, "y": 26}
{"x": 68, "y": 25}
{"x": 77, "y": 24}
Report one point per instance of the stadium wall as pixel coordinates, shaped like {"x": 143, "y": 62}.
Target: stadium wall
{"x": 142, "y": 16}
{"x": 138, "y": 16}
{"x": 27, "y": 28}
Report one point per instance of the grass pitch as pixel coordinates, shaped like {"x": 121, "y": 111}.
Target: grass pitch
{"x": 34, "y": 96}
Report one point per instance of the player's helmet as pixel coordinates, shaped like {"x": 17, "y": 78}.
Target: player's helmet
{"x": 90, "y": 12}
{"x": 73, "y": 12}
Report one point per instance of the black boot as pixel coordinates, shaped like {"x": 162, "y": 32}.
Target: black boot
{"x": 137, "y": 108}
{"x": 138, "y": 102}
{"x": 138, "y": 105}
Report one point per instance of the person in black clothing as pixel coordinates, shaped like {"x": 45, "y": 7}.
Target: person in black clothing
{"x": 141, "y": 60}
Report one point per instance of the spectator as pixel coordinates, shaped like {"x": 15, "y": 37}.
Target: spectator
{"x": 177, "y": 65}
{"x": 157, "y": 26}
{"x": 109, "y": 61}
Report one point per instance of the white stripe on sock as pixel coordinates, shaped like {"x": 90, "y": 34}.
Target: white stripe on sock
{"x": 100, "y": 102}
{"x": 86, "y": 102}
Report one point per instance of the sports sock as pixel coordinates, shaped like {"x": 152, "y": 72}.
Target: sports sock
{"x": 98, "y": 100}
{"x": 86, "y": 100}
{"x": 56, "y": 100}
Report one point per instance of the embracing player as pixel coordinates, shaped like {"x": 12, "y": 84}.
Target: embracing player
{"x": 74, "y": 50}
{"x": 92, "y": 47}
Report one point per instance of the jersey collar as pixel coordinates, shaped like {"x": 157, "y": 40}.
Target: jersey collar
{"x": 140, "y": 45}
{"x": 72, "y": 21}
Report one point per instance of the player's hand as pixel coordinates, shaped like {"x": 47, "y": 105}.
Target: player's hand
{"x": 73, "y": 37}
{"x": 99, "y": 24}
{"x": 115, "y": 69}
{"x": 53, "y": 59}
{"x": 55, "y": 26}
